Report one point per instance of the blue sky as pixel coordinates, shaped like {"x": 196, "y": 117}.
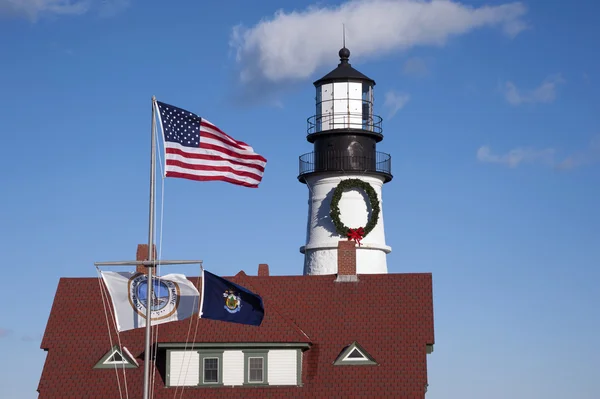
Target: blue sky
{"x": 490, "y": 114}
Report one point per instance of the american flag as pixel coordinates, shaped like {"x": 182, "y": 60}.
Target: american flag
{"x": 198, "y": 150}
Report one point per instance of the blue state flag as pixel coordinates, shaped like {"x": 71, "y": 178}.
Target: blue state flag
{"x": 227, "y": 301}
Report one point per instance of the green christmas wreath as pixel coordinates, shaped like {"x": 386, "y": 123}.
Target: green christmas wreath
{"x": 334, "y": 210}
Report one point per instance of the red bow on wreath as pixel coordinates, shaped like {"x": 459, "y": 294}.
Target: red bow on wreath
{"x": 356, "y": 234}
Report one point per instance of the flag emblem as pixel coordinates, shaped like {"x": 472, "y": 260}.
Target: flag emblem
{"x": 165, "y": 296}
{"x": 233, "y": 304}
{"x": 226, "y": 301}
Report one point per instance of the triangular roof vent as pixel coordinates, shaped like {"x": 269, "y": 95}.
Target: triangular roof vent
{"x": 117, "y": 358}
{"x": 354, "y": 355}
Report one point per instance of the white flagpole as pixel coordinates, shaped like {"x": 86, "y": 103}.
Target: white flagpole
{"x": 150, "y": 267}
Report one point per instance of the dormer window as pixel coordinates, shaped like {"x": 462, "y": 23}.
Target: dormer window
{"x": 354, "y": 354}
{"x": 116, "y": 357}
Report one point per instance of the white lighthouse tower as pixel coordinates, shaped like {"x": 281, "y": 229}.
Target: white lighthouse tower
{"x": 344, "y": 132}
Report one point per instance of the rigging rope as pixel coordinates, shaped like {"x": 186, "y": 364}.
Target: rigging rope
{"x": 192, "y": 347}
{"x": 113, "y": 317}
{"x": 108, "y": 328}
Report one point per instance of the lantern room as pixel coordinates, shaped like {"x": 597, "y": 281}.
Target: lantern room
{"x": 344, "y": 100}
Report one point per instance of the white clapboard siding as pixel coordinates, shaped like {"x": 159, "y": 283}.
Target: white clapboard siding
{"x": 283, "y": 367}
{"x": 233, "y": 368}
{"x": 184, "y": 368}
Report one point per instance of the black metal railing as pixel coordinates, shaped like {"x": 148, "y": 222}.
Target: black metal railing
{"x": 344, "y": 120}
{"x": 336, "y": 161}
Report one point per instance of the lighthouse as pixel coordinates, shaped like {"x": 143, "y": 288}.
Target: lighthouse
{"x": 345, "y": 173}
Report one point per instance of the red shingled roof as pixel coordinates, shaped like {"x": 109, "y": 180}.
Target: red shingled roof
{"x": 389, "y": 315}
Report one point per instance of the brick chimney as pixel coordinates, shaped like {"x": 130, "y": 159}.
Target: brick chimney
{"x": 142, "y": 254}
{"x": 346, "y": 261}
{"x": 263, "y": 270}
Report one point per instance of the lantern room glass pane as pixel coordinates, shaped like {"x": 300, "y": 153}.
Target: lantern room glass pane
{"x": 319, "y": 111}
{"x": 367, "y": 106}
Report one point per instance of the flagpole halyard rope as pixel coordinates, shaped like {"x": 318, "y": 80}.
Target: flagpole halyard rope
{"x": 191, "y": 349}
{"x": 160, "y": 235}
{"x": 114, "y": 319}
{"x": 154, "y": 331}
{"x": 151, "y": 257}
{"x": 164, "y": 150}
{"x": 187, "y": 339}
{"x": 189, "y": 360}
{"x": 108, "y": 328}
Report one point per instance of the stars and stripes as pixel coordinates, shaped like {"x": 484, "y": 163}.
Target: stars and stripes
{"x": 198, "y": 150}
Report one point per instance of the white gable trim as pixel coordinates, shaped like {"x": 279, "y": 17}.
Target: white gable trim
{"x": 362, "y": 357}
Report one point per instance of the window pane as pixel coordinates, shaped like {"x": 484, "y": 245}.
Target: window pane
{"x": 255, "y": 366}
{"x": 256, "y": 376}
{"x": 319, "y": 110}
{"x": 211, "y": 370}
{"x": 355, "y": 354}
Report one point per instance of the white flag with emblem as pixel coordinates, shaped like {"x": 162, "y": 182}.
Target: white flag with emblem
{"x": 174, "y": 298}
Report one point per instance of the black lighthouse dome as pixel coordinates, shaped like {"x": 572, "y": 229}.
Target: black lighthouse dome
{"x": 344, "y": 72}
{"x": 344, "y": 129}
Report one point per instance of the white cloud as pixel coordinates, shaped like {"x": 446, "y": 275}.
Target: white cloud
{"x": 415, "y": 67}
{"x": 36, "y": 9}
{"x": 516, "y": 156}
{"x": 395, "y": 101}
{"x": 544, "y": 93}
{"x": 548, "y": 156}
{"x": 588, "y": 156}
{"x": 294, "y": 44}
